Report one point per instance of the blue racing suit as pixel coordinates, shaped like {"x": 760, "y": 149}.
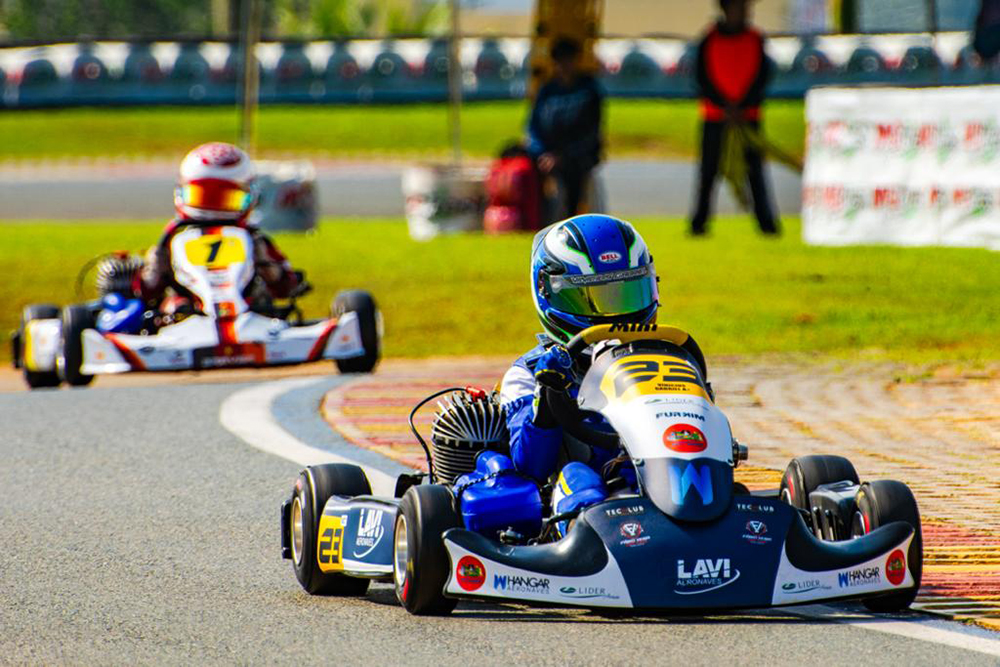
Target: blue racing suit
{"x": 535, "y": 450}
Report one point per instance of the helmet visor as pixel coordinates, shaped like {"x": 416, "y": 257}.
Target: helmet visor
{"x": 603, "y": 294}
{"x": 216, "y": 196}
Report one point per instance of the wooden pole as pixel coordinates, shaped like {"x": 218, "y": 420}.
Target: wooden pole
{"x": 455, "y": 85}
{"x": 249, "y": 36}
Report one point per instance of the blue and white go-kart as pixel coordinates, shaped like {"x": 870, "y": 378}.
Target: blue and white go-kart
{"x": 676, "y": 533}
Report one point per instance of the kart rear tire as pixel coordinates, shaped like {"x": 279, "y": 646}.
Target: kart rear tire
{"x": 75, "y": 320}
{"x": 805, "y": 473}
{"x": 880, "y": 503}
{"x": 315, "y": 485}
{"x": 37, "y": 379}
{"x": 420, "y": 560}
{"x": 369, "y": 319}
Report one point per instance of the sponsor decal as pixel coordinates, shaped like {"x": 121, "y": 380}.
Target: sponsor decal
{"x": 644, "y": 375}
{"x": 330, "y": 542}
{"x": 471, "y": 573}
{"x": 680, "y": 415}
{"x": 584, "y": 592}
{"x": 370, "y": 531}
{"x": 755, "y": 532}
{"x": 796, "y": 587}
{"x": 610, "y": 257}
{"x": 749, "y": 506}
{"x": 653, "y": 400}
{"x": 625, "y": 510}
{"x": 862, "y": 576}
{"x": 631, "y": 327}
{"x": 632, "y": 534}
{"x": 519, "y": 584}
{"x": 895, "y": 567}
{"x": 685, "y": 439}
{"x": 694, "y": 477}
{"x": 707, "y": 574}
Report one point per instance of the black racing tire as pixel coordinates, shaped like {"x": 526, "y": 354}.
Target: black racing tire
{"x": 878, "y": 504}
{"x": 362, "y": 303}
{"x": 38, "y": 379}
{"x": 75, "y": 320}
{"x": 805, "y": 473}
{"x": 314, "y": 486}
{"x": 420, "y": 560}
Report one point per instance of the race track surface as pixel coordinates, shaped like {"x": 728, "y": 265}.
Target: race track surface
{"x": 135, "y": 529}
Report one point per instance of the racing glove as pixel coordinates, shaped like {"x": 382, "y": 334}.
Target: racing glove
{"x": 553, "y": 371}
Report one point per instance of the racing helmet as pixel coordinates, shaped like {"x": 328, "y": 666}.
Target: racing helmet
{"x": 588, "y": 270}
{"x": 216, "y": 183}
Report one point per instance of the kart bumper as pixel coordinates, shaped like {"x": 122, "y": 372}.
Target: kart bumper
{"x": 200, "y": 343}
{"x": 628, "y": 554}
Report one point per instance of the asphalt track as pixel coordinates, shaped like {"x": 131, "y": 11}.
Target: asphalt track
{"x": 131, "y": 191}
{"x": 136, "y": 529}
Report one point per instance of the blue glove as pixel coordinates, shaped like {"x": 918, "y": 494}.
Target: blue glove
{"x": 554, "y": 369}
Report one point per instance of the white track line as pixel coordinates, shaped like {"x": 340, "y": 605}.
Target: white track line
{"x": 247, "y": 414}
{"x": 934, "y": 630}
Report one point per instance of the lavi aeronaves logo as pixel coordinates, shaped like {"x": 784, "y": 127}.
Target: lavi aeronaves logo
{"x": 707, "y": 575}
{"x": 370, "y": 531}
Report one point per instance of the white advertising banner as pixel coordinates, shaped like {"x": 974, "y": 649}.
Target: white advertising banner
{"x": 902, "y": 166}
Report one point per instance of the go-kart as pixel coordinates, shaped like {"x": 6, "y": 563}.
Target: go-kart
{"x": 677, "y": 534}
{"x": 217, "y": 328}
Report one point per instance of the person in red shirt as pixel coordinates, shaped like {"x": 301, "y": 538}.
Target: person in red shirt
{"x": 732, "y": 70}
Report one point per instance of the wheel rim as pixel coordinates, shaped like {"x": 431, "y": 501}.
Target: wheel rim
{"x": 297, "y": 531}
{"x": 786, "y": 497}
{"x": 401, "y": 552}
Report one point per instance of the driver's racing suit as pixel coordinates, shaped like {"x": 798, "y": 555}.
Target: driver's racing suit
{"x": 535, "y": 449}
{"x": 269, "y": 263}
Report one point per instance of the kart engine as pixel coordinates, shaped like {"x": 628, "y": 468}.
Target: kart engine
{"x": 466, "y": 423}
{"x": 116, "y": 272}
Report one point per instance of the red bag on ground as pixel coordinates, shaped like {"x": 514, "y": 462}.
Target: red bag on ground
{"x": 513, "y": 194}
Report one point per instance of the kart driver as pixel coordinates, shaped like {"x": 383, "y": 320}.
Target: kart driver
{"x": 623, "y": 289}
{"x": 216, "y": 187}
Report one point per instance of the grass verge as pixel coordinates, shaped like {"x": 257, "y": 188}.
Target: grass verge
{"x": 635, "y": 128}
{"x": 736, "y": 292}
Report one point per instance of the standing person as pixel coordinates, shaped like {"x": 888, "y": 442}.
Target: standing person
{"x": 732, "y": 70}
{"x": 565, "y": 129}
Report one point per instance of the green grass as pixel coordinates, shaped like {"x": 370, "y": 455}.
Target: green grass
{"x": 635, "y": 128}
{"x": 735, "y": 292}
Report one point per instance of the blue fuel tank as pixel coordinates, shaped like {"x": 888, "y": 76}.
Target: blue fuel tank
{"x": 504, "y": 500}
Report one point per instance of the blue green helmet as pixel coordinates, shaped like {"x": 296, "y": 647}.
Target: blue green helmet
{"x": 591, "y": 269}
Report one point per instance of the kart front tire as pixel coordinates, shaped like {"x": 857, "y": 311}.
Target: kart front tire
{"x": 880, "y": 503}
{"x": 420, "y": 560}
{"x": 314, "y": 486}
{"x": 369, "y": 319}
{"x": 38, "y": 379}
{"x": 75, "y": 320}
{"x": 805, "y": 473}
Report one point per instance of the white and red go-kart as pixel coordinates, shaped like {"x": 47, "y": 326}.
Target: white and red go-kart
{"x": 216, "y": 265}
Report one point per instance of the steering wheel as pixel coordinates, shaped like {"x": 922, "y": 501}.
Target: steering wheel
{"x": 565, "y": 409}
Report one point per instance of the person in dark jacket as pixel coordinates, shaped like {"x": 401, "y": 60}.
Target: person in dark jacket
{"x": 732, "y": 70}
{"x": 565, "y": 129}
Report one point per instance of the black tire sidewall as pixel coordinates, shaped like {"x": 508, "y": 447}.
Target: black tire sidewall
{"x": 809, "y": 472}
{"x": 362, "y": 303}
{"x": 429, "y": 511}
{"x": 318, "y": 484}
{"x": 75, "y": 320}
{"x": 883, "y": 502}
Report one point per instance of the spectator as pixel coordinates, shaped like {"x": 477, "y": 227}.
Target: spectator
{"x": 565, "y": 128}
{"x": 732, "y": 70}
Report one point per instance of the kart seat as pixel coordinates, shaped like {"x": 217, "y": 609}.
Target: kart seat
{"x": 808, "y": 553}
{"x": 581, "y": 553}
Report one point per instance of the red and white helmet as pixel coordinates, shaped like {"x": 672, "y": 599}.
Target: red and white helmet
{"x": 216, "y": 183}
